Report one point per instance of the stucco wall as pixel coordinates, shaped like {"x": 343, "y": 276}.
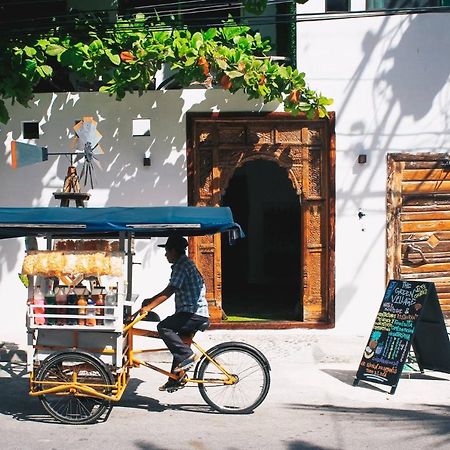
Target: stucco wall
{"x": 122, "y": 181}
{"x": 389, "y": 77}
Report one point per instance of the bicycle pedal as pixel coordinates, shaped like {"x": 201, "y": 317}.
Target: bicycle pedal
{"x": 172, "y": 390}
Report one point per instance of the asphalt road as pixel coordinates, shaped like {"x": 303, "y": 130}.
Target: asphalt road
{"x": 311, "y": 405}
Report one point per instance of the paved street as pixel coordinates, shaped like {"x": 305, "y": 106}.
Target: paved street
{"x": 311, "y": 405}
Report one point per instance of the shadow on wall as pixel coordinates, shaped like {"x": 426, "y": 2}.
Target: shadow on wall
{"x": 411, "y": 75}
{"x": 122, "y": 180}
{"x": 418, "y": 69}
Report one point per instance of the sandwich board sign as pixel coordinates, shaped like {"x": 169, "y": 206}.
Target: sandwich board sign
{"x": 409, "y": 315}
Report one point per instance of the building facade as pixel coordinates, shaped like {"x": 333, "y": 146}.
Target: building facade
{"x": 332, "y": 208}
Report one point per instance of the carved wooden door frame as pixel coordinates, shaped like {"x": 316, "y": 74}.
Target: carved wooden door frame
{"x": 217, "y": 144}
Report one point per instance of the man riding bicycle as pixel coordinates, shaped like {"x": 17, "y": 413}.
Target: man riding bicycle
{"x": 191, "y": 307}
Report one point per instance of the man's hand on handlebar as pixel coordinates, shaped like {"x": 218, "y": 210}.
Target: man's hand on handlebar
{"x": 146, "y": 306}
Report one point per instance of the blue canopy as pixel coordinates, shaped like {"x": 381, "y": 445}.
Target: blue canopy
{"x": 139, "y": 221}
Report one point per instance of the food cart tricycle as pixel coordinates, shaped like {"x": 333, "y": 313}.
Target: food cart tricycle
{"x": 80, "y": 353}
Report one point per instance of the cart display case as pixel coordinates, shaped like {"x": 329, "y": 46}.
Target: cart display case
{"x": 83, "y": 246}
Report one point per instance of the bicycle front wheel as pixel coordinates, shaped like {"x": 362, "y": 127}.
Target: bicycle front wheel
{"x": 72, "y": 407}
{"x": 251, "y": 385}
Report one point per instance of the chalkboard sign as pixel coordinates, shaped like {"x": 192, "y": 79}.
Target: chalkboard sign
{"x": 410, "y": 314}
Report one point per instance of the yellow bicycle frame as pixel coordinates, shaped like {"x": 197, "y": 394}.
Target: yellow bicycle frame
{"x": 115, "y": 391}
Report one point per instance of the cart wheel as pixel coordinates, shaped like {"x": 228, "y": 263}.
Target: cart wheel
{"x": 75, "y": 408}
{"x": 247, "y": 365}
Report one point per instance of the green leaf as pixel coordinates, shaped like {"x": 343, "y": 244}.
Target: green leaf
{"x": 210, "y": 33}
{"x": 4, "y": 116}
{"x": 231, "y": 32}
{"x": 54, "y": 50}
{"x": 29, "y": 51}
{"x": 255, "y": 6}
{"x": 114, "y": 58}
{"x": 190, "y": 61}
{"x": 197, "y": 40}
{"x": 284, "y": 71}
{"x": 43, "y": 43}
{"x": 221, "y": 63}
{"x": 325, "y": 101}
{"x": 71, "y": 58}
{"x": 30, "y": 66}
{"x": 44, "y": 71}
{"x": 96, "y": 45}
{"x": 104, "y": 89}
{"x": 234, "y": 73}
{"x": 322, "y": 112}
{"x": 24, "y": 279}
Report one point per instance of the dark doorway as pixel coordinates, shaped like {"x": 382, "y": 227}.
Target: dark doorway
{"x": 261, "y": 274}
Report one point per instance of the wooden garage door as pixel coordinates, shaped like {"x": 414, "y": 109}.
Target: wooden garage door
{"x": 418, "y": 231}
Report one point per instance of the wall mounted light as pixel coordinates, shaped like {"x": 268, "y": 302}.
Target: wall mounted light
{"x": 362, "y": 159}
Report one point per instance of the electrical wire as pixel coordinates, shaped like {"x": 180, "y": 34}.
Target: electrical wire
{"x": 222, "y": 6}
{"x": 246, "y": 20}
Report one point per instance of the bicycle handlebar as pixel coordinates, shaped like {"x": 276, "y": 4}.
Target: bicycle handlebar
{"x": 135, "y": 318}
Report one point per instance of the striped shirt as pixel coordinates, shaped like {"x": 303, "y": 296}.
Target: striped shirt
{"x": 189, "y": 287}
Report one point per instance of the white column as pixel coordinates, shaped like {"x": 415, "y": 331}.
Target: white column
{"x": 357, "y": 5}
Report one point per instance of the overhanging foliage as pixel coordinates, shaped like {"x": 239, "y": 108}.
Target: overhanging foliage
{"x": 126, "y": 57}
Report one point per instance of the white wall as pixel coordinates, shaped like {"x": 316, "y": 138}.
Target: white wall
{"x": 122, "y": 181}
{"x": 389, "y": 77}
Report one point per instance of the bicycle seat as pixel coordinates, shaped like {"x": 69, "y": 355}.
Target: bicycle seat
{"x": 152, "y": 317}
{"x": 188, "y": 335}
{"x": 204, "y": 326}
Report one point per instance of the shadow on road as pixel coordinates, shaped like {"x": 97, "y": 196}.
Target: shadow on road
{"x": 15, "y": 400}
{"x": 132, "y": 399}
{"x": 432, "y": 420}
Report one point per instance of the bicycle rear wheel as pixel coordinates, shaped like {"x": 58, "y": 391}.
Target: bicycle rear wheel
{"x": 74, "y": 408}
{"x": 252, "y": 379}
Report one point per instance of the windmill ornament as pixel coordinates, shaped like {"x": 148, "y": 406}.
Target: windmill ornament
{"x": 85, "y": 146}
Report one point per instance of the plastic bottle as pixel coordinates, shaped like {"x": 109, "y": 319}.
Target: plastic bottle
{"x": 110, "y": 300}
{"x": 82, "y": 302}
{"x": 90, "y": 315}
{"x": 38, "y": 302}
{"x": 100, "y": 311}
{"x": 50, "y": 299}
{"x": 61, "y": 299}
{"x": 72, "y": 301}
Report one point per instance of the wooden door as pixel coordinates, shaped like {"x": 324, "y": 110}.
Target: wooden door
{"x": 218, "y": 144}
{"x": 418, "y": 229}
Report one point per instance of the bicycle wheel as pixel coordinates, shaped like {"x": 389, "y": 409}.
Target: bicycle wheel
{"x": 74, "y": 408}
{"x": 252, "y": 379}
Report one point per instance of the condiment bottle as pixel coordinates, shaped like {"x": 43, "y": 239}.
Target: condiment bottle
{"x": 82, "y": 302}
{"x": 72, "y": 301}
{"x": 90, "y": 317}
{"x": 100, "y": 311}
{"x": 38, "y": 302}
{"x": 61, "y": 299}
{"x": 50, "y": 300}
{"x": 110, "y": 300}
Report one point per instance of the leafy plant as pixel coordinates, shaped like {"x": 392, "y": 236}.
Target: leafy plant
{"x": 126, "y": 58}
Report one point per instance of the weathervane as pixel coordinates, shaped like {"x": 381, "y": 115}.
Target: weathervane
{"x": 85, "y": 145}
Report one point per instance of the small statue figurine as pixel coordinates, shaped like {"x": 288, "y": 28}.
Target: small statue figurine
{"x": 71, "y": 182}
